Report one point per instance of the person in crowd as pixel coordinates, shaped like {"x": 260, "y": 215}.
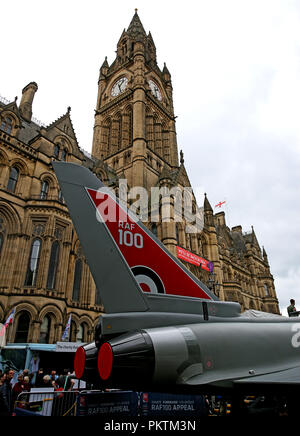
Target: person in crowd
{"x": 53, "y": 375}
{"x": 20, "y": 387}
{"x": 27, "y": 384}
{"x": 39, "y": 378}
{"x": 2, "y": 378}
{"x": 25, "y": 372}
{"x": 47, "y": 383}
{"x": 6, "y": 402}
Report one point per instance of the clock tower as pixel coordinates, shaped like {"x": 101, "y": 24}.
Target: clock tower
{"x": 134, "y": 131}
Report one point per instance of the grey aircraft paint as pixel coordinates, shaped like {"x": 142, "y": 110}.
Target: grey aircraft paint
{"x": 186, "y": 342}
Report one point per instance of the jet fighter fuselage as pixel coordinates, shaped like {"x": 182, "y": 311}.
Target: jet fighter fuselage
{"x": 163, "y": 329}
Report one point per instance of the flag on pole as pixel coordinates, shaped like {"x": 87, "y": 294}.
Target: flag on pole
{"x": 66, "y": 333}
{"x": 7, "y": 322}
{"x": 220, "y": 204}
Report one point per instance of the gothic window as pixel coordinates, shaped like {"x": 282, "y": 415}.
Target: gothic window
{"x": 124, "y": 46}
{"x": 60, "y": 196}
{"x": 13, "y": 179}
{"x": 199, "y": 245}
{"x": 45, "y": 330}
{"x": 72, "y": 332}
{"x": 79, "y": 337}
{"x": 266, "y": 290}
{"x": 177, "y": 234}
{"x": 56, "y": 151}
{"x": 149, "y": 131}
{"x": 33, "y": 263}
{"x": 22, "y": 328}
{"x": 190, "y": 241}
{"x": 53, "y": 265}
{"x": 77, "y": 280}
{"x": 82, "y": 332}
{"x": 63, "y": 155}
{"x": 44, "y": 190}
{"x": 6, "y": 125}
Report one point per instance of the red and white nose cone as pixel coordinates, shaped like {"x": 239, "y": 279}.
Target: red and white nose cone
{"x": 79, "y": 362}
{"x": 105, "y": 361}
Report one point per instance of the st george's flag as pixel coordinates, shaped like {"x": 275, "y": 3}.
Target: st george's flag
{"x": 7, "y": 322}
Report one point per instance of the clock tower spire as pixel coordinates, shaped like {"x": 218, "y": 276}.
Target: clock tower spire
{"x": 134, "y": 129}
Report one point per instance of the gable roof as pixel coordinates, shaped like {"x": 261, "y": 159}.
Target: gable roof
{"x": 64, "y": 123}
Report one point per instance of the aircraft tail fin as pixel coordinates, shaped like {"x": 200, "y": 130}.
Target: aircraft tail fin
{"x": 117, "y": 286}
{"x": 126, "y": 259}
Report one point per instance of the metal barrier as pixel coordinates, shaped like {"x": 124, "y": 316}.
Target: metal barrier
{"x": 56, "y": 403}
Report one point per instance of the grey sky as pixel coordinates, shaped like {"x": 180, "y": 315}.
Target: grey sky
{"x": 235, "y": 68}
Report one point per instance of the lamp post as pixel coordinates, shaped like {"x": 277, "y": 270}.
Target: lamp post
{"x": 212, "y": 284}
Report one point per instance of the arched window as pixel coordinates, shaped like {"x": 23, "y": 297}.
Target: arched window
{"x": 6, "y": 125}
{"x": 45, "y": 330}
{"x": 266, "y": 290}
{"x": 1, "y": 241}
{"x": 13, "y": 179}
{"x": 72, "y": 332}
{"x": 56, "y": 151}
{"x": 44, "y": 190}
{"x": 77, "y": 280}
{"x": 33, "y": 263}
{"x": 63, "y": 155}
{"x": 190, "y": 239}
{"x": 53, "y": 264}
{"x": 80, "y": 333}
{"x": 177, "y": 234}
{"x": 60, "y": 197}
{"x": 22, "y": 328}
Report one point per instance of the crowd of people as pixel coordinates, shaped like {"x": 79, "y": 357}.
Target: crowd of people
{"x": 10, "y": 388}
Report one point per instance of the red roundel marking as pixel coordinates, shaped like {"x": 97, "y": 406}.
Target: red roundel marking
{"x": 105, "y": 361}
{"x": 79, "y": 362}
{"x": 144, "y": 287}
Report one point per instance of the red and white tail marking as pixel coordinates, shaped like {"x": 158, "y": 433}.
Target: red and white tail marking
{"x": 154, "y": 269}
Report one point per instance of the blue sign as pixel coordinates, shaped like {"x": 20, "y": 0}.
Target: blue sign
{"x": 107, "y": 403}
{"x": 156, "y": 404}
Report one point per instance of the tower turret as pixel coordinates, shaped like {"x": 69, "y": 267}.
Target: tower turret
{"x": 26, "y": 101}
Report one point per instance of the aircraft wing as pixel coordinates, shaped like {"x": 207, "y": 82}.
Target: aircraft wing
{"x": 285, "y": 377}
{"x": 274, "y": 380}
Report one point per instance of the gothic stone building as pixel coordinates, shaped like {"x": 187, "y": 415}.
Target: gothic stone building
{"x": 43, "y": 271}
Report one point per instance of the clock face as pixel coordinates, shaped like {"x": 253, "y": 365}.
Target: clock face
{"x": 155, "y": 90}
{"x": 119, "y": 86}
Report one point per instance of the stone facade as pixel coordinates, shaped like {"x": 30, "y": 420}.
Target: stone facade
{"x": 43, "y": 272}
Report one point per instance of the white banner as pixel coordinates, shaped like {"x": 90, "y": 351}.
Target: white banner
{"x": 68, "y": 347}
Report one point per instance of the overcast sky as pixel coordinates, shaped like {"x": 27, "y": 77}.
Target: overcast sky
{"x": 235, "y": 68}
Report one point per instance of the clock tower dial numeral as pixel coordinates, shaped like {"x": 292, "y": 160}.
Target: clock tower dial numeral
{"x": 119, "y": 86}
{"x": 155, "y": 90}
